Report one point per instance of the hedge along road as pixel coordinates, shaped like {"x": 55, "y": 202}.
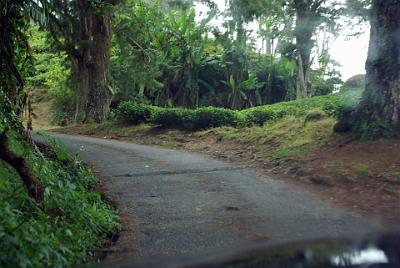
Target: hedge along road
{"x": 174, "y": 202}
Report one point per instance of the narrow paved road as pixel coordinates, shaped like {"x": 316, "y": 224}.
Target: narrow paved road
{"x": 178, "y": 202}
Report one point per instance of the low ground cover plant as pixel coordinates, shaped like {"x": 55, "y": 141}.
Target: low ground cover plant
{"x": 70, "y": 220}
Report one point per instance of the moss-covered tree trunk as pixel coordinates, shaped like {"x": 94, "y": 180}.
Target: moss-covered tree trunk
{"x": 379, "y": 111}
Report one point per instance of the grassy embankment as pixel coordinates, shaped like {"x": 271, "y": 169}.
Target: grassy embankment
{"x": 62, "y": 228}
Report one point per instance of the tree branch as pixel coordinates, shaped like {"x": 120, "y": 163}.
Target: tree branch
{"x": 19, "y": 163}
{"x": 316, "y": 5}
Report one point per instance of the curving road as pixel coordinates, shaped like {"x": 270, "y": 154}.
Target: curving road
{"x": 175, "y": 202}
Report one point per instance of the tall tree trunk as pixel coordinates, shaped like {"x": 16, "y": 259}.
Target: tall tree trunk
{"x": 88, "y": 43}
{"x": 100, "y": 94}
{"x": 302, "y": 78}
{"x": 303, "y": 32}
{"x": 81, "y": 59}
{"x": 380, "y": 106}
{"x": 80, "y": 78}
{"x": 307, "y": 19}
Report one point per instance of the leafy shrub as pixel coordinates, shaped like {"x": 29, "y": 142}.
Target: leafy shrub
{"x": 171, "y": 117}
{"x": 201, "y": 118}
{"x": 64, "y": 106}
{"x": 258, "y": 116}
{"x": 331, "y": 104}
{"x": 211, "y": 117}
{"x": 134, "y": 113}
{"x": 70, "y": 221}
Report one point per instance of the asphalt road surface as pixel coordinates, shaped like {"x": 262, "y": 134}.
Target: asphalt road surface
{"x": 175, "y": 202}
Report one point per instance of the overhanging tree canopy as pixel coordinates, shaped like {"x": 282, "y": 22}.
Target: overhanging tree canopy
{"x": 310, "y": 14}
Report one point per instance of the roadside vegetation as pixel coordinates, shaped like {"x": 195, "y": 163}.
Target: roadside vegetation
{"x": 51, "y": 215}
{"x": 210, "y": 117}
{"x": 279, "y": 130}
{"x": 177, "y": 61}
{"x": 180, "y": 60}
{"x": 158, "y": 72}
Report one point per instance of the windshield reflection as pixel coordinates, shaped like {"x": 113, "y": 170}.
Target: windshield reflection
{"x": 371, "y": 255}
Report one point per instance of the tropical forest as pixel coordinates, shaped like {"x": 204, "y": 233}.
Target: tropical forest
{"x": 132, "y": 130}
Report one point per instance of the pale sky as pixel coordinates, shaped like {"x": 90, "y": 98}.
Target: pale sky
{"x": 350, "y": 53}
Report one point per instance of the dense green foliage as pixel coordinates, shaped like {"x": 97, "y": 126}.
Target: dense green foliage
{"x": 63, "y": 108}
{"x": 209, "y": 117}
{"x": 167, "y": 67}
{"x": 51, "y": 71}
{"x": 15, "y": 60}
{"x": 173, "y": 57}
{"x": 71, "y": 219}
{"x": 170, "y": 59}
{"x": 172, "y": 117}
{"x": 201, "y": 118}
{"x": 331, "y": 104}
{"x": 51, "y": 68}
{"x": 135, "y": 113}
{"x": 49, "y": 214}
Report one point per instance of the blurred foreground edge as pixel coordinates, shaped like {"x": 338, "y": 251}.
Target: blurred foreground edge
{"x": 368, "y": 250}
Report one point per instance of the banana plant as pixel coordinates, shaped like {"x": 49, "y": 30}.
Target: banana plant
{"x": 236, "y": 95}
{"x": 185, "y": 51}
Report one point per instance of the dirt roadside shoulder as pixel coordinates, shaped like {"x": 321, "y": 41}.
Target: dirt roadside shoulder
{"x": 362, "y": 177}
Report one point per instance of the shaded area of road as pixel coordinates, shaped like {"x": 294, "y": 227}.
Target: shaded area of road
{"x": 175, "y": 202}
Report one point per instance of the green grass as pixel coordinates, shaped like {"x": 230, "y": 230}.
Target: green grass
{"x": 362, "y": 169}
{"x": 281, "y": 138}
{"x": 395, "y": 174}
{"x": 109, "y": 126}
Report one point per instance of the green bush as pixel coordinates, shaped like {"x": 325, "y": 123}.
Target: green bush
{"x": 134, "y": 113}
{"x": 258, "y": 116}
{"x": 210, "y": 117}
{"x": 201, "y": 118}
{"x": 63, "y": 110}
{"x": 331, "y": 104}
{"x": 171, "y": 117}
